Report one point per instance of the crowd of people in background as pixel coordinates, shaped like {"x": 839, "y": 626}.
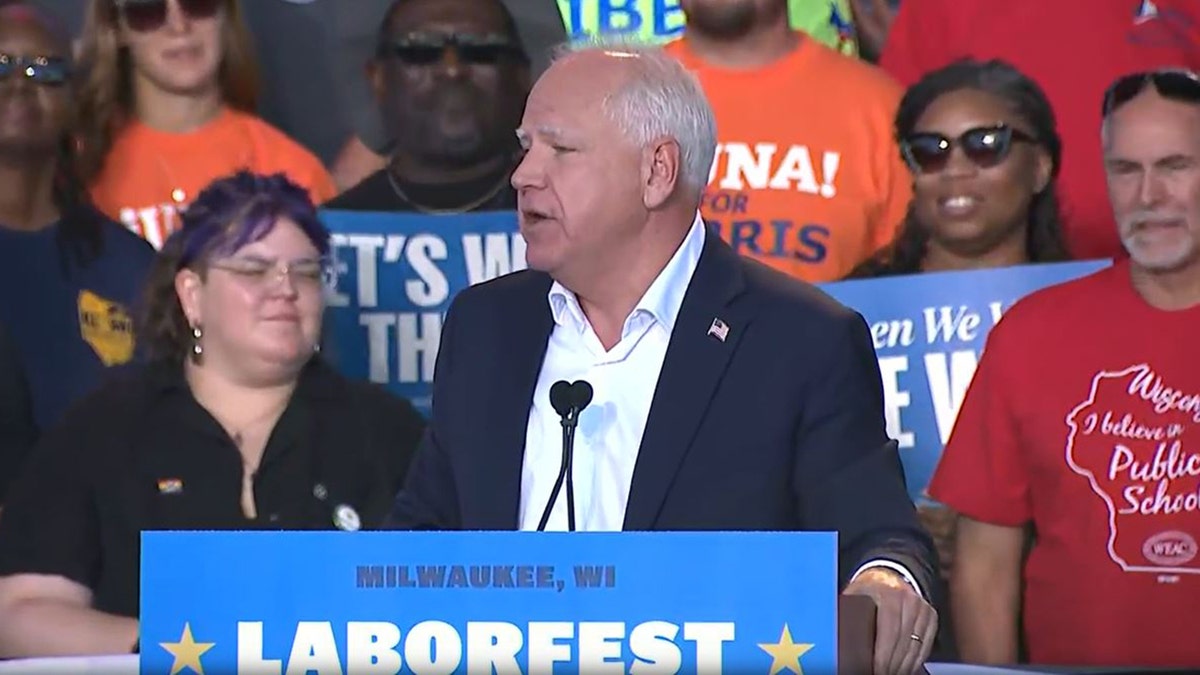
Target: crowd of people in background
{"x": 163, "y": 163}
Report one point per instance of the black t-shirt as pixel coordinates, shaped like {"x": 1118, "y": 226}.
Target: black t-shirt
{"x": 17, "y": 430}
{"x": 142, "y": 454}
{"x": 382, "y": 192}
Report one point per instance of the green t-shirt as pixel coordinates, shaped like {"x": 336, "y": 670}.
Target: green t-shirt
{"x": 828, "y": 21}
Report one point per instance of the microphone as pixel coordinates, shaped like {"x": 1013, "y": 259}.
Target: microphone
{"x": 568, "y": 400}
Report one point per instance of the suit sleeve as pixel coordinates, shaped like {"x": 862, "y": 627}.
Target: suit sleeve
{"x": 848, "y": 475}
{"x": 429, "y": 498}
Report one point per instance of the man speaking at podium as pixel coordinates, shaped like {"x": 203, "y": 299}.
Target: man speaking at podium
{"x": 642, "y": 376}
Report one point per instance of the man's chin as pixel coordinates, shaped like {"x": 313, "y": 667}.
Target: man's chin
{"x": 1163, "y": 259}
{"x": 462, "y": 147}
{"x": 726, "y": 23}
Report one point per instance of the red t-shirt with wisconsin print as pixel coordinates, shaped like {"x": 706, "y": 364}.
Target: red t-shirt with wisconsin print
{"x": 1084, "y": 418}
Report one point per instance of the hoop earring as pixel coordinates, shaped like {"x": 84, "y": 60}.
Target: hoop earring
{"x": 197, "y": 348}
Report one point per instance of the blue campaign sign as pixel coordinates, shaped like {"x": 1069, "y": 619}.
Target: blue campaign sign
{"x": 394, "y": 276}
{"x": 481, "y": 602}
{"x": 929, "y": 331}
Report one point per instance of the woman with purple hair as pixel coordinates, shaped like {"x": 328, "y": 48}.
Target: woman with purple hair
{"x": 236, "y": 424}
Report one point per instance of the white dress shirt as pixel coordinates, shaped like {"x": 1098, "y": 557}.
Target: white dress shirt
{"x": 610, "y": 429}
{"x": 623, "y": 380}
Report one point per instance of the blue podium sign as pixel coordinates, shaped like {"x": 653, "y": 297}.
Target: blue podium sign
{"x": 488, "y": 602}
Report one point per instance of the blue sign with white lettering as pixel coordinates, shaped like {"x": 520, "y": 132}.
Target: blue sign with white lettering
{"x": 431, "y": 603}
{"x": 929, "y": 331}
{"x": 396, "y": 274}
{"x": 393, "y": 279}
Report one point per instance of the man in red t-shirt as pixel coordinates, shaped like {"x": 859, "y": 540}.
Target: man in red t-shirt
{"x": 1082, "y": 423}
{"x": 1073, "y": 49}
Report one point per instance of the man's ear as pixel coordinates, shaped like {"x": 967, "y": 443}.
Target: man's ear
{"x": 661, "y": 171}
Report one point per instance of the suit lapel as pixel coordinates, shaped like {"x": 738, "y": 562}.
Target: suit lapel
{"x": 693, "y": 367}
{"x": 517, "y": 359}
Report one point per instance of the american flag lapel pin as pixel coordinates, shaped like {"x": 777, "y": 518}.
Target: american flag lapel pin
{"x": 719, "y": 329}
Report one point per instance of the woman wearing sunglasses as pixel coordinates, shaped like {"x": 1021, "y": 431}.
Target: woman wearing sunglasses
{"x": 168, "y": 105}
{"x": 69, "y": 277}
{"x": 981, "y": 142}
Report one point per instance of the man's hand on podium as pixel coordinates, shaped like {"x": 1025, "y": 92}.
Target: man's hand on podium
{"x": 905, "y": 625}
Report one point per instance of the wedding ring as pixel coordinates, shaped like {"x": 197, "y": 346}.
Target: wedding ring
{"x": 915, "y": 637}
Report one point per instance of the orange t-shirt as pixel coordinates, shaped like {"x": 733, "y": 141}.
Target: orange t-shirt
{"x": 807, "y": 175}
{"x": 150, "y": 175}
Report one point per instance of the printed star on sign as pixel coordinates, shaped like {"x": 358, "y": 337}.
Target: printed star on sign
{"x": 785, "y": 654}
{"x": 187, "y": 651}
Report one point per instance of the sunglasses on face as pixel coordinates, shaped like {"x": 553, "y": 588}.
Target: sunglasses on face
{"x": 144, "y": 16}
{"x": 929, "y": 152}
{"x": 424, "y": 49}
{"x": 1171, "y": 83}
{"x": 48, "y": 70}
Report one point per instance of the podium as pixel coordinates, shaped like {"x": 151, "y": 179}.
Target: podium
{"x": 503, "y": 602}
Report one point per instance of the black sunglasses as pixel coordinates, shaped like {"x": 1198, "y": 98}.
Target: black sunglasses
{"x": 48, "y": 70}
{"x": 425, "y": 49}
{"x": 1173, "y": 83}
{"x": 929, "y": 152}
{"x": 144, "y": 16}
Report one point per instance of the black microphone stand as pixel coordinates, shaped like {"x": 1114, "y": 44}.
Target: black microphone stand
{"x": 568, "y": 401}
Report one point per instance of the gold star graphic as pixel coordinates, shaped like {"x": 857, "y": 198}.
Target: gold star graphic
{"x": 785, "y": 654}
{"x": 187, "y": 651}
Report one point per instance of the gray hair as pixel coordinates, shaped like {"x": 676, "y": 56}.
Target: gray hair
{"x": 661, "y": 98}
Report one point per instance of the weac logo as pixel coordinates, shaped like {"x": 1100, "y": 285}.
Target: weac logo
{"x": 488, "y": 602}
{"x": 1170, "y": 548}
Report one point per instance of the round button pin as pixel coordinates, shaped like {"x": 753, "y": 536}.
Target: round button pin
{"x": 346, "y": 518}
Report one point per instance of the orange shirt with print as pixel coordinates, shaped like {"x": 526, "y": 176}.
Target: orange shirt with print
{"x": 150, "y": 175}
{"x": 807, "y": 176}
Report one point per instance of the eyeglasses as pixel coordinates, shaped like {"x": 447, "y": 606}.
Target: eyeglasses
{"x": 48, "y": 70}
{"x": 929, "y": 152}
{"x": 1173, "y": 83}
{"x": 144, "y": 16}
{"x": 424, "y": 49}
{"x": 260, "y": 272}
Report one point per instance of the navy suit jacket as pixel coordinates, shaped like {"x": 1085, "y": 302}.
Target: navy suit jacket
{"x": 779, "y": 426}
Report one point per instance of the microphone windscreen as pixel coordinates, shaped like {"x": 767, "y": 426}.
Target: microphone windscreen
{"x": 581, "y": 394}
{"x": 561, "y": 397}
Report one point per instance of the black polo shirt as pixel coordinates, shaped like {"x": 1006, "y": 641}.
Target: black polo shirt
{"x": 142, "y": 454}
